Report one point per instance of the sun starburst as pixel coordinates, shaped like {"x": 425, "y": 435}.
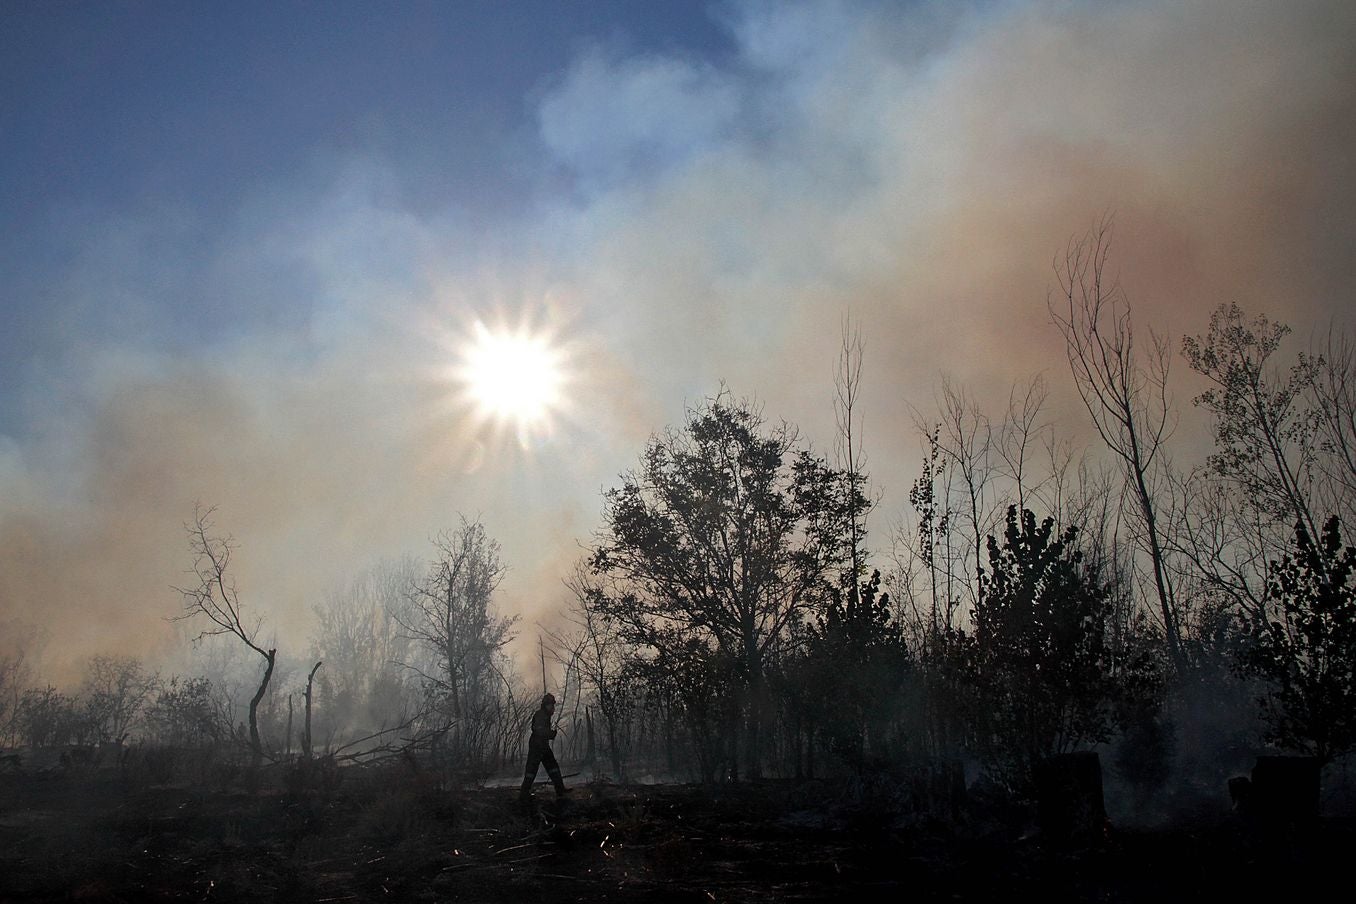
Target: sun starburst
{"x": 513, "y": 377}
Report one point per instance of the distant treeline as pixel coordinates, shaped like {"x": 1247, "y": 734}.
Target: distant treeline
{"x": 732, "y": 617}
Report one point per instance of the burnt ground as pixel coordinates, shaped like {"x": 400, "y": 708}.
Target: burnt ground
{"x": 389, "y": 835}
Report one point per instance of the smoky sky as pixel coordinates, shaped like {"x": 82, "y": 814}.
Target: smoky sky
{"x": 676, "y": 212}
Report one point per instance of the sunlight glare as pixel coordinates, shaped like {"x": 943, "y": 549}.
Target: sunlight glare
{"x": 513, "y": 377}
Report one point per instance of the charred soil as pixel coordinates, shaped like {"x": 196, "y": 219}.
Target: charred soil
{"x": 389, "y": 835}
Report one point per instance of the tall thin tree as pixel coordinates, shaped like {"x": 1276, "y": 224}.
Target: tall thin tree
{"x": 1126, "y": 399}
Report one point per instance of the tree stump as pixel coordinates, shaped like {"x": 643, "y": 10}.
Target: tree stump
{"x": 1284, "y": 789}
{"x": 1069, "y": 803}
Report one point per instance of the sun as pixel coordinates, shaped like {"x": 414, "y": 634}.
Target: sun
{"x": 513, "y": 377}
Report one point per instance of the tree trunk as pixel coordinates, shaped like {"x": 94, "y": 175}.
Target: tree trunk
{"x": 287, "y": 743}
{"x": 670, "y": 757}
{"x": 1171, "y": 623}
{"x": 753, "y": 706}
{"x": 613, "y": 749}
{"x": 306, "y": 732}
{"x": 738, "y": 727}
{"x": 257, "y": 748}
{"x": 590, "y": 751}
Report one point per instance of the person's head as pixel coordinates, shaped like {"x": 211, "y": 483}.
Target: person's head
{"x": 548, "y": 701}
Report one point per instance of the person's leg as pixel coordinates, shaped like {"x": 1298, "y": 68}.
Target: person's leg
{"x": 534, "y": 759}
{"x": 548, "y": 759}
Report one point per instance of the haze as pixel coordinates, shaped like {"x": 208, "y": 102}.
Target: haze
{"x": 244, "y": 244}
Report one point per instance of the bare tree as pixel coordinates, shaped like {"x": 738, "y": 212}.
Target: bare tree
{"x": 1127, "y": 400}
{"x": 116, "y": 688}
{"x": 187, "y": 712}
{"x": 601, "y": 654}
{"x": 966, "y": 441}
{"x": 212, "y": 596}
{"x": 450, "y": 612}
{"x": 1224, "y": 540}
{"x": 851, "y": 458}
{"x": 16, "y": 640}
{"x": 1023, "y": 431}
{"x": 921, "y": 549}
{"x": 47, "y": 717}
{"x": 359, "y": 637}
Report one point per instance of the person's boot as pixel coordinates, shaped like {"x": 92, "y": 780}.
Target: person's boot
{"x": 525, "y": 792}
{"x": 561, "y": 790}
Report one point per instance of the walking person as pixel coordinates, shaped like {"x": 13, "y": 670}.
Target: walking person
{"x": 539, "y": 749}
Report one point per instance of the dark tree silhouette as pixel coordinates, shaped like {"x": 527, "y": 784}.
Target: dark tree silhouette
{"x": 1264, "y": 433}
{"x": 186, "y": 712}
{"x": 213, "y": 597}
{"x": 1305, "y": 648}
{"x": 1127, "y": 400}
{"x": 702, "y": 683}
{"x": 856, "y": 670}
{"x": 723, "y": 536}
{"x": 1037, "y": 657}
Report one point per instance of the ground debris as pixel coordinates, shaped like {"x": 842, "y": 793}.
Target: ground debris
{"x": 760, "y": 842}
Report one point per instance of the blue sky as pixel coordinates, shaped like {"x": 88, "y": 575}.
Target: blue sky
{"x": 129, "y": 103}
{"x": 243, "y": 246}
{"x": 182, "y": 111}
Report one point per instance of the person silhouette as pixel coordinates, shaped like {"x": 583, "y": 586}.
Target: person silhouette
{"x": 539, "y": 749}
